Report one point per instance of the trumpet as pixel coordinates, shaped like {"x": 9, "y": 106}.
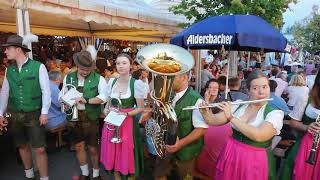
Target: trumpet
{"x": 71, "y": 109}
{"x": 114, "y": 104}
{"x": 232, "y": 103}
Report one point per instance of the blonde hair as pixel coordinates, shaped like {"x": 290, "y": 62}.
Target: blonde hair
{"x": 297, "y": 80}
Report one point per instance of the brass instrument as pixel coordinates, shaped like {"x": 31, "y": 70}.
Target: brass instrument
{"x": 71, "y": 107}
{"x": 114, "y": 104}
{"x": 312, "y": 155}
{"x": 164, "y": 61}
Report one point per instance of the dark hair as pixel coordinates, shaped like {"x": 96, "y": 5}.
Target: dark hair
{"x": 315, "y": 92}
{"x": 205, "y": 66}
{"x": 222, "y": 80}
{"x": 207, "y": 86}
{"x": 274, "y": 71}
{"x": 126, "y": 56}
{"x": 136, "y": 74}
{"x": 234, "y": 82}
{"x": 246, "y": 73}
{"x": 254, "y": 75}
{"x": 273, "y": 85}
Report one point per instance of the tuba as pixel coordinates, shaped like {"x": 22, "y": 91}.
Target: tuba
{"x": 164, "y": 62}
{"x": 68, "y": 105}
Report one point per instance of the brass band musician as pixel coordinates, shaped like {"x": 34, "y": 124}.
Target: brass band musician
{"x": 85, "y": 130}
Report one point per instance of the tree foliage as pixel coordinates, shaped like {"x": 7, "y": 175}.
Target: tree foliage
{"x": 197, "y": 10}
{"x": 307, "y": 32}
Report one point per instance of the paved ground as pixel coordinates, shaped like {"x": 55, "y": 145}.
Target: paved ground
{"x": 62, "y": 163}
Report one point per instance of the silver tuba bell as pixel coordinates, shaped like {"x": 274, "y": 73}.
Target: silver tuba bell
{"x": 164, "y": 61}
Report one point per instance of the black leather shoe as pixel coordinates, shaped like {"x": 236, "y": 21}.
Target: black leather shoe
{"x": 82, "y": 177}
{"x": 30, "y": 178}
{"x": 97, "y": 178}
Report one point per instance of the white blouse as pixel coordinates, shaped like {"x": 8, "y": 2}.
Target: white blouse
{"x": 274, "y": 117}
{"x": 139, "y": 90}
{"x": 311, "y": 112}
{"x": 295, "y": 93}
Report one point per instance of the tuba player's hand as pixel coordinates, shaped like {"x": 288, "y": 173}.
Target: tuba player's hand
{"x": 174, "y": 148}
{"x": 146, "y": 115}
{"x": 80, "y": 100}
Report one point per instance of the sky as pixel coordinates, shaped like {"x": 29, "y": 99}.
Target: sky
{"x": 298, "y": 12}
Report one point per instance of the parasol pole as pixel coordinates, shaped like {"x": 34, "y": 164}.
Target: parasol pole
{"x": 248, "y": 61}
{"x": 227, "y": 78}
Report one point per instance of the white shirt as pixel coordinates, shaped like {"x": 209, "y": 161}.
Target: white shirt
{"x": 44, "y": 85}
{"x": 102, "y": 89}
{"x": 310, "y": 81}
{"x": 146, "y": 88}
{"x": 197, "y": 119}
{"x": 282, "y": 86}
{"x": 296, "y": 94}
{"x": 274, "y": 117}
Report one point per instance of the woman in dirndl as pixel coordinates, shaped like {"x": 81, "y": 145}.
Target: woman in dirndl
{"x": 302, "y": 169}
{"x": 125, "y": 159}
{"x": 247, "y": 155}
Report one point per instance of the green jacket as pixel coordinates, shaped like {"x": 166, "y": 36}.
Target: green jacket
{"x": 25, "y": 91}
{"x": 90, "y": 90}
{"x": 185, "y": 125}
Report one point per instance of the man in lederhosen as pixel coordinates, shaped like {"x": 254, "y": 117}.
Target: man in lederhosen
{"x": 85, "y": 131}
{"x": 25, "y": 94}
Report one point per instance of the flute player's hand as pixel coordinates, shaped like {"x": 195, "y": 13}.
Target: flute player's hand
{"x": 225, "y": 107}
{"x": 204, "y": 111}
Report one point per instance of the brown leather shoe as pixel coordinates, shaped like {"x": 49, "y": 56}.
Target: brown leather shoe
{"x": 82, "y": 177}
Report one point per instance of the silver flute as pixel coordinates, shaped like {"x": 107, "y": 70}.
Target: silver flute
{"x": 232, "y": 103}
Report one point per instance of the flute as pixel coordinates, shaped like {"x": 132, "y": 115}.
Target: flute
{"x": 232, "y": 103}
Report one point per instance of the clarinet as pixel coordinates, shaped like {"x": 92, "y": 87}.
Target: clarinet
{"x": 312, "y": 155}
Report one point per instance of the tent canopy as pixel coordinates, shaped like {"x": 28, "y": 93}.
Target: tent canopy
{"x": 88, "y": 18}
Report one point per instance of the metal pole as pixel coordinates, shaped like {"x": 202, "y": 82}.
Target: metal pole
{"x": 248, "y": 61}
{"x": 19, "y": 22}
{"x": 198, "y": 71}
{"x": 27, "y": 29}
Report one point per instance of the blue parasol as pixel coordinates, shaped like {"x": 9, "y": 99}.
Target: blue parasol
{"x": 235, "y": 32}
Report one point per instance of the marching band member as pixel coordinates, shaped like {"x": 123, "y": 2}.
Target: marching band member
{"x": 246, "y": 155}
{"x": 125, "y": 159}
{"x": 191, "y": 128}
{"x": 85, "y": 131}
{"x": 296, "y": 166}
{"x": 26, "y": 95}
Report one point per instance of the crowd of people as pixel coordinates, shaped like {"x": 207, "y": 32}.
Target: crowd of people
{"x": 229, "y": 141}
